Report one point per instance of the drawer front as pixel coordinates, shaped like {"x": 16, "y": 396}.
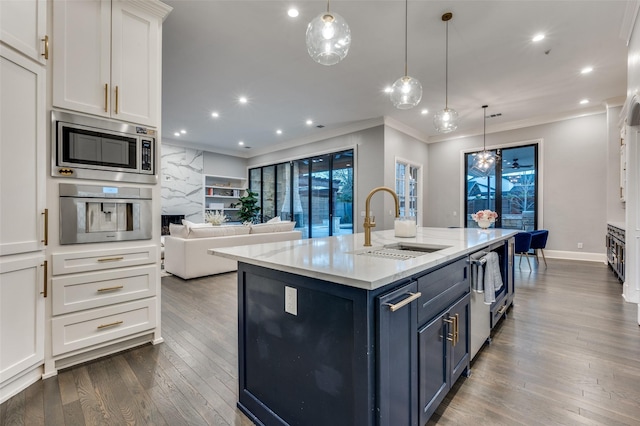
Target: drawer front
{"x": 441, "y": 288}
{"x": 72, "y": 293}
{"x": 98, "y": 260}
{"x": 83, "y": 329}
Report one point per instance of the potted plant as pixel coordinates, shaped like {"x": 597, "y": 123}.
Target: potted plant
{"x": 248, "y": 207}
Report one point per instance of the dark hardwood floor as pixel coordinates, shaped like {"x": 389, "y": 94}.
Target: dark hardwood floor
{"x": 568, "y": 354}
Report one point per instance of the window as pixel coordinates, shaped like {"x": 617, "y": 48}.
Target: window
{"x": 510, "y": 188}
{"x": 407, "y": 178}
{"x": 315, "y": 192}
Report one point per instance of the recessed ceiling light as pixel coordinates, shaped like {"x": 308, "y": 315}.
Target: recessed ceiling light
{"x": 309, "y": 122}
{"x": 183, "y": 131}
{"x": 424, "y": 111}
{"x": 215, "y": 114}
{"x": 241, "y": 143}
{"x": 293, "y": 12}
{"x": 176, "y": 134}
{"x": 586, "y": 70}
{"x": 538, "y": 37}
{"x": 279, "y": 131}
{"x": 584, "y": 101}
{"x": 243, "y": 99}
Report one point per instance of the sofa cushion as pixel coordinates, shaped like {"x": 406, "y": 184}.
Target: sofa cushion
{"x": 192, "y": 225}
{"x": 218, "y": 231}
{"x": 264, "y": 228}
{"x": 176, "y": 230}
{"x": 274, "y": 220}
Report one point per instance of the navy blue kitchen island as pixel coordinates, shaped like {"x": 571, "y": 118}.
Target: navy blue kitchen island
{"x": 332, "y": 333}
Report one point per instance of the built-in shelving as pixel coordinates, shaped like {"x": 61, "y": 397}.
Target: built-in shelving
{"x": 222, "y": 194}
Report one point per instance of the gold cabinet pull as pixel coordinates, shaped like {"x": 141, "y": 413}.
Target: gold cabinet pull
{"x": 106, "y": 97}
{"x": 502, "y": 309}
{"x": 411, "y": 298}
{"x": 45, "y": 213}
{"x": 44, "y": 270}
{"x": 118, "y": 287}
{"x": 456, "y": 337}
{"x": 451, "y": 336}
{"x": 45, "y": 40}
{"x": 117, "y": 99}
{"x": 110, "y": 259}
{"x": 111, "y": 324}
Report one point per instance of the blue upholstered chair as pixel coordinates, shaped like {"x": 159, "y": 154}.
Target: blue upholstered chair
{"x": 523, "y": 245}
{"x": 539, "y": 242}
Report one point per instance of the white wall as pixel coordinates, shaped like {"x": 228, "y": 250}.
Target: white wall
{"x": 615, "y": 207}
{"x": 224, "y": 165}
{"x": 631, "y": 288}
{"x": 574, "y": 180}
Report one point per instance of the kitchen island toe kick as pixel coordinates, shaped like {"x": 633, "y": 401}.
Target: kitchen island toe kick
{"x": 318, "y": 351}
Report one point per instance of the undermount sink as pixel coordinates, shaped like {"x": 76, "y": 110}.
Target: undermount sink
{"x": 400, "y": 251}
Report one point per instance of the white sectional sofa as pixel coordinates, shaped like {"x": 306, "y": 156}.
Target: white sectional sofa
{"x": 185, "y": 249}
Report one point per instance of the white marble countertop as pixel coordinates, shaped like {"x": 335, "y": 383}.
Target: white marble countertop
{"x": 336, "y": 259}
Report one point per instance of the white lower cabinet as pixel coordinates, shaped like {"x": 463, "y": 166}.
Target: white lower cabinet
{"x": 101, "y": 301}
{"x": 98, "y": 326}
{"x": 21, "y": 321}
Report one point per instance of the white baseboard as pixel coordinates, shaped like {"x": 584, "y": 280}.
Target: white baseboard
{"x": 575, "y": 255}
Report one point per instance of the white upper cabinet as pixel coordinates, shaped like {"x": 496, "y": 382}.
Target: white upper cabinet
{"x": 107, "y": 58}
{"x": 23, "y": 27}
{"x": 22, "y": 153}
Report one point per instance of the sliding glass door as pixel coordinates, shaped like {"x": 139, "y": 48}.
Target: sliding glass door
{"x": 509, "y": 187}
{"x": 317, "y": 193}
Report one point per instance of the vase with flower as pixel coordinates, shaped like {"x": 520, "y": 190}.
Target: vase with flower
{"x": 484, "y": 218}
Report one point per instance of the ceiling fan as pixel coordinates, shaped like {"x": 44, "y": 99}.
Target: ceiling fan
{"x": 516, "y": 165}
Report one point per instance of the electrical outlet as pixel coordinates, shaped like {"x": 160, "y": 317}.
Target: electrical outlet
{"x": 579, "y": 245}
{"x": 291, "y": 300}
{"x": 455, "y": 213}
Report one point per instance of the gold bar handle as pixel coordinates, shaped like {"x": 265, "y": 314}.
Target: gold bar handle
{"x": 395, "y": 307}
{"x": 110, "y": 259}
{"x": 106, "y": 97}
{"x": 502, "y": 309}
{"x": 46, "y": 47}
{"x": 112, "y": 324}
{"x": 118, "y": 287}
{"x": 457, "y": 329}
{"x": 450, "y": 336}
{"x": 46, "y": 227}
{"x": 117, "y": 99}
{"x": 44, "y": 270}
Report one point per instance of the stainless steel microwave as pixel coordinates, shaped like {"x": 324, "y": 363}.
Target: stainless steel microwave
{"x": 92, "y": 148}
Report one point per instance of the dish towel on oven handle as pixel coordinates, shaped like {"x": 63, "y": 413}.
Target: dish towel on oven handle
{"x": 492, "y": 277}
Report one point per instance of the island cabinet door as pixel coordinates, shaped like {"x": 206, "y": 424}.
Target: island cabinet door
{"x": 396, "y": 390}
{"x": 459, "y": 345}
{"x": 433, "y": 381}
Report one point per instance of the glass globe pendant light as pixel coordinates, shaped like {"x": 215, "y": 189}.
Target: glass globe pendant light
{"x": 406, "y": 92}
{"x": 328, "y": 38}
{"x": 446, "y": 121}
{"x": 484, "y": 160}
